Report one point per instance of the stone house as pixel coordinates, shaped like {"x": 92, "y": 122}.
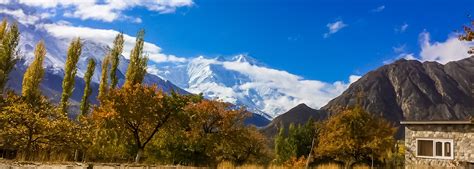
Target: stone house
{"x": 439, "y": 144}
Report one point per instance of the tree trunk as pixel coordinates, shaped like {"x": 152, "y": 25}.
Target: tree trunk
{"x": 76, "y": 155}
{"x": 310, "y": 152}
{"x": 139, "y": 155}
{"x": 348, "y": 164}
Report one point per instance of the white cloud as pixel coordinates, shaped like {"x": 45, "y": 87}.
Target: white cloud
{"x": 402, "y": 28}
{"x": 400, "y": 48}
{"x": 106, "y": 36}
{"x": 334, "y": 27}
{"x": 450, "y": 50}
{"x": 104, "y": 10}
{"x": 296, "y": 89}
{"x": 20, "y": 15}
{"x": 354, "y": 78}
{"x": 378, "y": 9}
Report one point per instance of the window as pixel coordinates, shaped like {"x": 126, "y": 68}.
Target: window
{"x": 434, "y": 148}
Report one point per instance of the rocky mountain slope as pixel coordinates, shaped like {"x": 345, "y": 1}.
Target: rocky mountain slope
{"x": 403, "y": 90}
{"x": 411, "y": 90}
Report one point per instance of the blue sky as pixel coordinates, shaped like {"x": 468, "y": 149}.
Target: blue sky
{"x": 311, "y": 50}
{"x": 290, "y": 34}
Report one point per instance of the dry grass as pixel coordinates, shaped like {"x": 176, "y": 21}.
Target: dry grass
{"x": 229, "y": 165}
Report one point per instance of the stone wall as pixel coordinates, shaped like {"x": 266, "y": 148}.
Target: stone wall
{"x": 463, "y": 142}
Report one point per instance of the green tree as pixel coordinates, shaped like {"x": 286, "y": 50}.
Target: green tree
{"x": 10, "y": 36}
{"x": 354, "y": 135}
{"x": 104, "y": 82}
{"x": 87, "y": 88}
{"x": 296, "y": 143}
{"x": 34, "y": 74}
{"x": 70, "y": 70}
{"x": 138, "y": 62}
{"x": 115, "y": 58}
{"x": 282, "y": 151}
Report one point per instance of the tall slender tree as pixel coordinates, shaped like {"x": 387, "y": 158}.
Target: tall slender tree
{"x": 70, "y": 70}
{"x": 87, "y": 88}
{"x": 9, "y": 38}
{"x": 34, "y": 74}
{"x": 104, "y": 82}
{"x": 115, "y": 59}
{"x": 138, "y": 62}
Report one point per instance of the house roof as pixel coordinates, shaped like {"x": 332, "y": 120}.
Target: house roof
{"x": 438, "y": 122}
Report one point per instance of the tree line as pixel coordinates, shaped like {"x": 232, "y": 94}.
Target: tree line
{"x": 134, "y": 122}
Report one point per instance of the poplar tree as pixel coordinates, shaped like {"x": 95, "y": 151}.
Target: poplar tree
{"x": 138, "y": 62}
{"x": 70, "y": 70}
{"x": 34, "y": 74}
{"x": 115, "y": 60}
{"x": 104, "y": 83}
{"x": 87, "y": 88}
{"x": 9, "y": 38}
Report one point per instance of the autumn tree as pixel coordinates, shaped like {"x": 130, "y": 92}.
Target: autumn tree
{"x": 9, "y": 39}
{"x": 34, "y": 74}
{"x": 104, "y": 82}
{"x": 141, "y": 111}
{"x": 30, "y": 126}
{"x": 138, "y": 62}
{"x": 354, "y": 135}
{"x": 70, "y": 70}
{"x": 87, "y": 88}
{"x": 209, "y": 132}
{"x": 115, "y": 59}
{"x": 468, "y": 35}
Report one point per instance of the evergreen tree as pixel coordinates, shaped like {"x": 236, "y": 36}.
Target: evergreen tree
{"x": 87, "y": 88}
{"x": 34, "y": 74}
{"x": 70, "y": 70}
{"x": 281, "y": 147}
{"x": 104, "y": 83}
{"x": 9, "y": 38}
{"x": 114, "y": 57}
{"x": 138, "y": 62}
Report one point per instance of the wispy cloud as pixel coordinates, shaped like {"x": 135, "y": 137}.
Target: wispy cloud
{"x": 104, "y": 10}
{"x": 378, "y": 9}
{"x": 402, "y": 28}
{"x": 334, "y": 28}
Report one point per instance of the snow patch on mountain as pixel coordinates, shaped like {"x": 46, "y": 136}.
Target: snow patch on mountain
{"x": 242, "y": 80}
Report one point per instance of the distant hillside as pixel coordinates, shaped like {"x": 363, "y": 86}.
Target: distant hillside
{"x": 297, "y": 115}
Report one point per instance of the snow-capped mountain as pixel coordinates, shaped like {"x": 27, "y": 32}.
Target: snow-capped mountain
{"x": 240, "y": 79}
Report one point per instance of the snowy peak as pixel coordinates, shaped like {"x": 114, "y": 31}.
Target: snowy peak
{"x": 242, "y": 80}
